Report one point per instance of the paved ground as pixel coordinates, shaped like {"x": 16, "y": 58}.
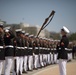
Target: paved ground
{"x": 54, "y": 70}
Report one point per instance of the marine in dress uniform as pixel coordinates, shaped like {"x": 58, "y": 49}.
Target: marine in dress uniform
{"x": 18, "y": 52}
{"x": 52, "y": 52}
{"x": 2, "y": 51}
{"x": 30, "y": 53}
{"x": 55, "y": 52}
{"x": 25, "y": 59}
{"x": 48, "y": 51}
{"x": 41, "y": 52}
{"x": 62, "y": 51}
{"x": 9, "y": 51}
{"x": 22, "y": 54}
{"x": 36, "y": 53}
{"x": 45, "y": 52}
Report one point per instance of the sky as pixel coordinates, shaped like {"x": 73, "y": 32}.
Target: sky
{"x": 34, "y": 12}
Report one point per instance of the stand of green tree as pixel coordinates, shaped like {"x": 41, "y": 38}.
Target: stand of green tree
{"x": 72, "y": 37}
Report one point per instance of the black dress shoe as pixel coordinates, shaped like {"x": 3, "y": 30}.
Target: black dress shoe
{"x": 30, "y": 70}
{"x": 24, "y": 71}
{"x": 36, "y": 69}
{"x": 19, "y": 73}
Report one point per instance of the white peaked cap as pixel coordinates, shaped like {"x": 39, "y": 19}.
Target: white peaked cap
{"x": 31, "y": 35}
{"x": 1, "y": 24}
{"x": 6, "y": 30}
{"x": 35, "y": 37}
{"x": 26, "y": 34}
{"x": 23, "y": 31}
{"x": 17, "y": 30}
{"x": 41, "y": 37}
{"x": 66, "y": 29}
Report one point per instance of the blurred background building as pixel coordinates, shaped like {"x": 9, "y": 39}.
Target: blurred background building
{"x": 31, "y": 29}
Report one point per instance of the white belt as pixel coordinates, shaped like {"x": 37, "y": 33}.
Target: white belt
{"x": 1, "y": 46}
{"x": 25, "y": 47}
{"x": 30, "y": 48}
{"x": 41, "y": 48}
{"x": 59, "y": 48}
{"x": 52, "y": 49}
{"x": 19, "y": 47}
{"x": 48, "y": 48}
{"x": 36, "y": 47}
{"x": 66, "y": 49}
{"x": 9, "y": 46}
{"x": 22, "y": 47}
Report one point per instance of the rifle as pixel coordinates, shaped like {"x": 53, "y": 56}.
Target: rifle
{"x": 46, "y": 22}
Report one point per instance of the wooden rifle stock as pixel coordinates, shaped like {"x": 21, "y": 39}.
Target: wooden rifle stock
{"x": 46, "y": 20}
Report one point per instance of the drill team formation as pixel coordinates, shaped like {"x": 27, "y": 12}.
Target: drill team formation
{"x": 23, "y": 52}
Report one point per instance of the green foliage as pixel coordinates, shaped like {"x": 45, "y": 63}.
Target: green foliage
{"x": 54, "y": 35}
{"x": 72, "y": 37}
